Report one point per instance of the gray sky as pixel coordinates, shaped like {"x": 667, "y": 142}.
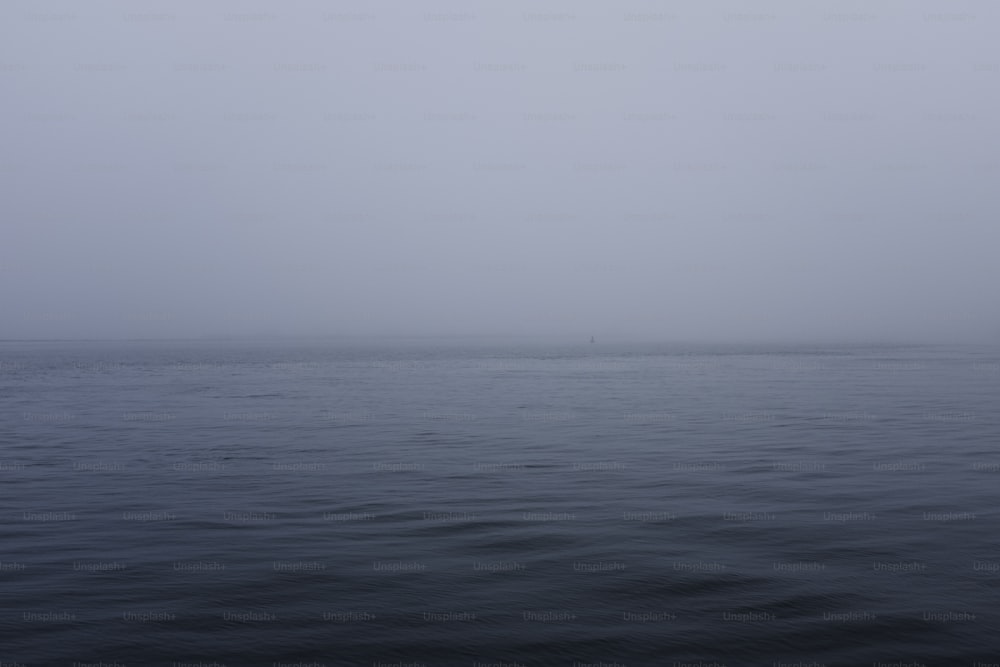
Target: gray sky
{"x": 697, "y": 170}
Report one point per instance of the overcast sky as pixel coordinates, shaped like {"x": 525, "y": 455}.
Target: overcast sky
{"x": 672, "y": 170}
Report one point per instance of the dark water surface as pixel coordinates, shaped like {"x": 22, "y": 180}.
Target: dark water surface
{"x": 436, "y": 503}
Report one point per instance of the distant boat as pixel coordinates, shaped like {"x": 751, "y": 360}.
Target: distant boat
{"x": 591, "y": 339}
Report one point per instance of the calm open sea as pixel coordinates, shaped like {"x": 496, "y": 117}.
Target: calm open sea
{"x": 498, "y": 504}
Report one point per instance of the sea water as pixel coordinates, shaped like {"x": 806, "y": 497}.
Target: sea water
{"x": 449, "y": 502}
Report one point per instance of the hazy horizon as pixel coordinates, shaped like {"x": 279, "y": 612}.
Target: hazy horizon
{"x": 604, "y": 344}
{"x": 634, "y": 172}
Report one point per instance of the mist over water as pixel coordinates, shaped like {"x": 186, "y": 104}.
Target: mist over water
{"x": 381, "y": 333}
{"x": 677, "y": 172}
